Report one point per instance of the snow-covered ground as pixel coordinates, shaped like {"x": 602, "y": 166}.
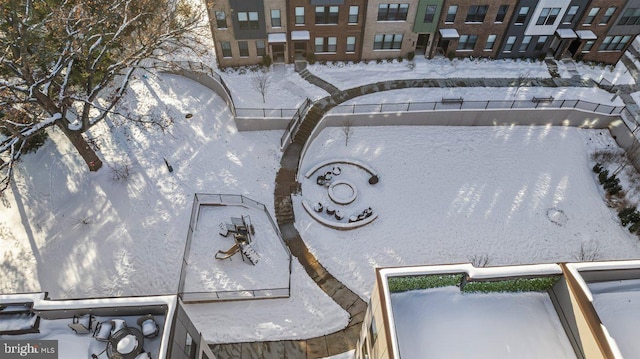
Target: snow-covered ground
{"x": 449, "y": 324}
{"x": 473, "y": 191}
{"x": 447, "y": 194}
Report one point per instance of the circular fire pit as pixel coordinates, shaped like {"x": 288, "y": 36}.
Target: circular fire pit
{"x": 342, "y": 192}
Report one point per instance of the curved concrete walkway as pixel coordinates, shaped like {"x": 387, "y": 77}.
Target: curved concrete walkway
{"x": 286, "y": 186}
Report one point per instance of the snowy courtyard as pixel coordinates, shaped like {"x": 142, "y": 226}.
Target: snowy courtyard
{"x": 446, "y": 194}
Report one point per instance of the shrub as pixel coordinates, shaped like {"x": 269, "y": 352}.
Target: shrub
{"x": 628, "y": 215}
{"x": 614, "y": 190}
{"x": 390, "y": 60}
{"x": 378, "y": 61}
{"x": 411, "y": 55}
{"x": 603, "y": 176}
{"x": 403, "y": 284}
{"x": 311, "y": 58}
{"x": 400, "y": 59}
{"x": 266, "y": 61}
{"x": 451, "y": 54}
{"x": 597, "y": 168}
{"x": 120, "y": 172}
{"x": 611, "y": 182}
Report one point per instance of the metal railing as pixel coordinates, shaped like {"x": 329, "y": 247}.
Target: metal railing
{"x": 204, "y": 199}
{"x": 292, "y": 127}
{"x": 477, "y": 105}
{"x": 266, "y": 112}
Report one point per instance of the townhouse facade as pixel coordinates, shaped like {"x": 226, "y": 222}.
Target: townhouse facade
{"x": 247, "y": 32}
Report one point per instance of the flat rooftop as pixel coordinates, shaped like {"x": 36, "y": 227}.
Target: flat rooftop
{"x": 618, "y": 306}
{"x": 446, "y": 323}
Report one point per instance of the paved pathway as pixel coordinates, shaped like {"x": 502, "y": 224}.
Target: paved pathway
{"x": 286, "y": 186}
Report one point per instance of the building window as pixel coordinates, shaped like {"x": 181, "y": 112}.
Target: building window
{"x": 588, "y": 45}
{"x": 373, "y": 331}
{"x": 299, "y": 15}
{"x": 226, "y": 49}
{"x": 429, "y": 14}
{"x": 260, "y": 48}
{"x": 327, "y": 44}
{"x": 243, "y": 46}
{"x": 387, "y": 42}
{"x": 614, "y": 43}
{"x": 592, "y": 14}
{"x": 353, "y": 14}
{"x": 548, "y": 16}
{"x": 393, "y": 12}
{"x": 276, "y": 21}
{"x": 570, "y": 14}
{"x": 467, "y": 42}
{"x": 326, "y": 15}
{"x": 525, "y": 43}
{"x": 491, "y": 40}
{"x": 607, "y": 15}
{"x": 630, "y": 17}
{"x": 540, "y": 43}
{"x": 502, "y": 13}
{"x": 509, "y": 45}
{"x": 221, "y": 20}
{"x": 476, "y": 13}
{"x": 351, "y": 44}
{"x": 451, "y": 13}
{"x": 248, "y": 20}
{"x": 522, "y": 15}
{"x": 189, "y": 348}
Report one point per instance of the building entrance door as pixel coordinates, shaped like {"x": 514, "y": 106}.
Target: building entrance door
{"x": 421, "y": 44}
{"x": 277, "y": 50}
{"x": 300, "y": 50}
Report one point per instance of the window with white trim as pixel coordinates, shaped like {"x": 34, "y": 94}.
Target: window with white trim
{"x": 221, "y": 20}
{"x": 226, "y": 49}
{"x": 351, "y": 44}
{"x": 299, "y": 15}
{"x": 502, "y": 13}
{"x": 326, "y": 44}
{"x": 260, "y": 48}
{"x": 522, "y": 15}
{"x": 491, "y": 41}
{"x": 326, "y": 15}
{"x": 393, "y": 12}
{"x": 630, "y": 16}
{"x": 243, "y": 46}
{"x": 451, "y": 13}
{"x": 476, "y": 13}
{"x": 607, "y": 16}
{"x": 548, "y": 16}
{"x": 525, "y": 43}
{"x": 276, "y": 20}
{"x": 248, "y": 20}
{"x": 429, "y": 14}
{"x": 570, "y": 15}
{"x": 588, "y": 45}
{"x": 591, "y": 15}
{"x": 387, "y": 41}
{"x": 467, "y": 42}
{"x": 509, "y": 44}
{"x": 540, "y": 43}
{"x": 353, "y": 14}
{"x": 614, "y": 43}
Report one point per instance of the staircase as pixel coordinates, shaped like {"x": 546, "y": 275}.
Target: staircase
{"x": 250, "y": 253}
{"x": 314, "y": 115}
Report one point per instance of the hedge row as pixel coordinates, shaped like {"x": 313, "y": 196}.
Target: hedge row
{"x": 539, "y": 284}
{"x": 403, "y": 284}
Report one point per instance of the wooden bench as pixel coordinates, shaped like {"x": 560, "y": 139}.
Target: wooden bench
{"x": 542, "y": 99}
{"x": 458, "y": 100}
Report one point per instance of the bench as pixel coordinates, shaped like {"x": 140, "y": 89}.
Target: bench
{"x": 542, "y": 99}
{"x": 458, "y": 100}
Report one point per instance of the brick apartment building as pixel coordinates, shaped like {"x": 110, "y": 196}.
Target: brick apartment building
{"x": 351, "y": 30}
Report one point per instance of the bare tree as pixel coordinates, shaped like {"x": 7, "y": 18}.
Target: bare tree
{"x": 261, "y": 83}
{"x": 68, "y": 62}
{"x": 347, "y": 129}
{"x": 522, "y": 77}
